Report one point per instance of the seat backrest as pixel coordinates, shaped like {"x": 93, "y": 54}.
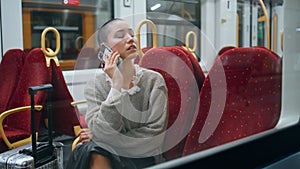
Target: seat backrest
{"x": 183, "y": 91}
{"x": 241, "y": 96}
{"x": 65, "y": 116}
{"x": 224, "y": 49}
{"x": 34, "y": 73}
{"x": 198, "y": 72}
{"x": 10, "y": 69}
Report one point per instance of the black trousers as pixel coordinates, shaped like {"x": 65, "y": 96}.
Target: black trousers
{"x": 80, "y": 158}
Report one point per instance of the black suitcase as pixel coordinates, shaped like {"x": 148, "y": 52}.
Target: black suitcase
{"x": 41, "y": 155}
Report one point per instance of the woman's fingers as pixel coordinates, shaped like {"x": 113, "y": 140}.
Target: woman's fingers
{"x": 115, "y": 59}
{"x": 112, "y": 58}
{"x": 84, "y": 130}
{"x": 112, "y": 70}
{"x": 111, "y": 61}
{"x": 85, "y": 135}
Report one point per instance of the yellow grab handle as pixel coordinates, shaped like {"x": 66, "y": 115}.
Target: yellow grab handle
{"x": 274, "y": 48}
{"x": 138, "y": 36}
{"x": 49, "y": 53}
{"x": 281, "y": 40}
{"x": 75, "y": 103}
{"x": 48, "y": 59}
{"x": 75, "y": 142}
{"x": 77, "y": 42}
{"x": 187, "y": 36}
{"x": 237, "y": 30}
{"x": 267, "y": 22}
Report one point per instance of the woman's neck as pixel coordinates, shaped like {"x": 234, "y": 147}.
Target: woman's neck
{"x": 128, "y": 71}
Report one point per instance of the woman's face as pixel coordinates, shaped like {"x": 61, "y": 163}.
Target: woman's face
{"x": 121, "y": 38}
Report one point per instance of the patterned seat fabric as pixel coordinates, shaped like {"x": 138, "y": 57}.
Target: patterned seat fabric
{"x": 241, "y": 96}
{"x": 178, "y": 70}
{"x": 198, "y": 72}
{"x": 17, "y": 74}
{"x": 65, "y": 116}
{"x": 34, "y": 73}
{"x": 13, "y": 135}
{"x": 10, "y": 69}
{"x": 17, "y": 126}
{"x": 224, "y": 49}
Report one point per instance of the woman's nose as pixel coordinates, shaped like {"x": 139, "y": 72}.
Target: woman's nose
{"x": 130, "y": 38}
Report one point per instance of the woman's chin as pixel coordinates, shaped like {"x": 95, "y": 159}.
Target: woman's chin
{"x": 132, "y": 56}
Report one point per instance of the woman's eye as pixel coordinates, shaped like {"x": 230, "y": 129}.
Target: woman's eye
{"x": 120, "y": 35}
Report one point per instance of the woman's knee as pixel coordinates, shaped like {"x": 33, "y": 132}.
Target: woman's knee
{"x": 99, "y": 162}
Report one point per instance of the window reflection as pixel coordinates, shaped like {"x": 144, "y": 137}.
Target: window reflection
{"x": 74, "y": 23}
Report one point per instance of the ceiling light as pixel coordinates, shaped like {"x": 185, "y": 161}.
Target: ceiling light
{"x": 156, "y": 6}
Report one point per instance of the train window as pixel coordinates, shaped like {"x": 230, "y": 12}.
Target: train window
{"x": 174, "y": 20}
{"x": 75, "y": 23}
{"x": 251, "y": 24}
{"x": 255, "y": 19}
{"x": 189, "y": 10}
{"x": 271, "y": 27}
{"x": 70, "y": 31}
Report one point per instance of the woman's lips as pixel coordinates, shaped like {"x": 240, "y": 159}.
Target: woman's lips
{"x": 132, "y": 47}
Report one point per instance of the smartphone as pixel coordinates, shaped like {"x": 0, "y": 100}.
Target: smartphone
{"x": 104, "y": 50}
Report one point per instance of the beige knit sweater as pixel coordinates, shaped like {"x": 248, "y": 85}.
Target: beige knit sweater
{"x": 131, "y": 122}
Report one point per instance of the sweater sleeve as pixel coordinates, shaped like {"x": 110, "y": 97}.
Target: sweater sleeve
{"x": 101, "y": 112}
{"x": 106, "y": 119}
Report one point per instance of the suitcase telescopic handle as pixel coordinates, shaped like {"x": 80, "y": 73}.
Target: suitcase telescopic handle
{"x": 32, "y": 91}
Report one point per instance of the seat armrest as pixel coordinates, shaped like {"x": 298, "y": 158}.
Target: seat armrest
{"x": 10, "y": 112}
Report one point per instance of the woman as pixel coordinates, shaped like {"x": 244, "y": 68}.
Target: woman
{"x": 127, "y": 107}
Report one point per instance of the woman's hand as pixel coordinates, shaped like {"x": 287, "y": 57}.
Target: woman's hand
{"x": 112, "y": 70}
{"x": 85, "y": 135}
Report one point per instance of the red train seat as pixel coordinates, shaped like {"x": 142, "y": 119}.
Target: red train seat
{"x": 198, "y": 72}
{"x": 241, "y": 96}
{"x": 17, "y": 125}
{"x": 183, "y": 91}
{"x": 10, "y": 69}
{"x": 184, "y": 78}
{"x": 224, "y": 49}
{"x": 36, "y": 72}
{"x": 38, "y": 69}
{"x": 65, "y": 116}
